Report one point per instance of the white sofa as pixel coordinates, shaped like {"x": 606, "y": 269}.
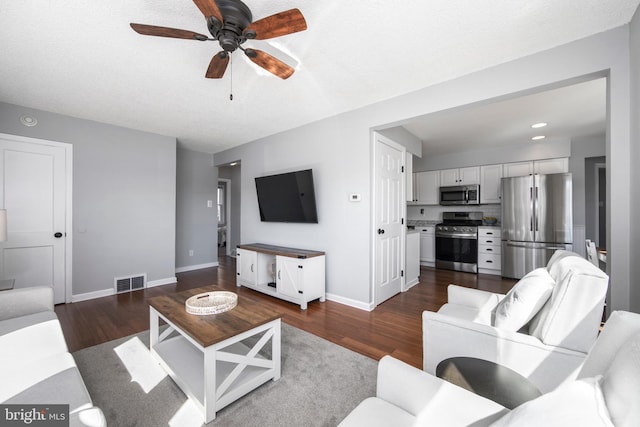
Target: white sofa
{"x": 35, "y": 364}
{"x": 542, "y": 328}
{"x": 606, "y": 392}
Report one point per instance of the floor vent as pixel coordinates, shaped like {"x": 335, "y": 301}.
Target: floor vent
{"x": 131, "y": 283}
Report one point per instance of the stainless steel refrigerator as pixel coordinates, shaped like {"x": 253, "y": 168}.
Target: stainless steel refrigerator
{"x": 537, "y": 219}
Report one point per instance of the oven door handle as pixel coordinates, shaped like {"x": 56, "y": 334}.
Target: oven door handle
{"x": 470, "y": 236}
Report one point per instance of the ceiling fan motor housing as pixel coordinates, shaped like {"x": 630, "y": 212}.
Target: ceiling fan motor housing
{"x": 229, "y": 33}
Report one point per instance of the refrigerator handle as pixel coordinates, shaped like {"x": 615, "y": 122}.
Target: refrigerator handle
{"x": 531, "y": 202}
{"x": 536, "y": 205}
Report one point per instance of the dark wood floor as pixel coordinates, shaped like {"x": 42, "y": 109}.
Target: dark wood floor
{"x": 394, "y": 327}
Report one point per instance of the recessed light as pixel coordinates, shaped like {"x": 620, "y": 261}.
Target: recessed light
{"x": 233, "y": 164}
{"x": 538, "y": 125}
{"x": 28, "y": 121}
{"x": 535, "y": 138}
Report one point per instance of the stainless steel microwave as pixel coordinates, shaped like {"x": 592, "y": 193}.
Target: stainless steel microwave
{"x": 460, "y": 195}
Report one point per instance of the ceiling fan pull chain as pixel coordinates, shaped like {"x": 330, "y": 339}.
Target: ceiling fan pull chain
{"x": 231, "y": 77}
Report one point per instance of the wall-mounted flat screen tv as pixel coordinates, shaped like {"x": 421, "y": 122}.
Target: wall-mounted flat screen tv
{"x": 287, "y": 197}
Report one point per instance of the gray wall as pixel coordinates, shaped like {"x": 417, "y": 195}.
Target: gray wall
{"x": 339, "y": 151}
{"x": 634, "y": 254}
{"x": 196, "y": 224}
{"x": 123, "y": 197}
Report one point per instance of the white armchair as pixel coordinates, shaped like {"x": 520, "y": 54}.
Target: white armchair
{"x": 542, "y": 328}
{"x": 606, "y": 392}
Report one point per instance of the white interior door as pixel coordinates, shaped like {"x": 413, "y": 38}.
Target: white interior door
{"x": 389, "y": 188}
{"x": 33, "y": 190}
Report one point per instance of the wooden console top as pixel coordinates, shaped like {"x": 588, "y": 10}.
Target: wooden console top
{"x": 279, "y": 250}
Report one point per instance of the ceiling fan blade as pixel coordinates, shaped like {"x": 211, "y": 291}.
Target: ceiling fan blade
{"x": 218, "y": 65}
{"x": 209, "y": 8}
{"x": 152, "y": 30}
{"x": 280, "y": 24}
{"x": 269, "y": 63}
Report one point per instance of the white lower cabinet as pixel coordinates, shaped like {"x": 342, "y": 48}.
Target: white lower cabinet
{"x": 489, "y": 250}
{"x": 294, "y": 275}
{"x": 428, "y": 246}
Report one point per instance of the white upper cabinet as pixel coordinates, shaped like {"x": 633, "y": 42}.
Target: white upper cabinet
{"x": 460, "y": 176}
{"x": 490, "y": 184}
{"x": 546, "y": 166}
{"x": 427, "y": 187}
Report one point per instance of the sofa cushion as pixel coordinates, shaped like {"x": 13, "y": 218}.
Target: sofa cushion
{"x": 621, "y": 385}
{"x": 524, "y": 300}
{"x": 578, "y": 403}
{"x": 572, "y": 315}
{"x": 30, "y": 338}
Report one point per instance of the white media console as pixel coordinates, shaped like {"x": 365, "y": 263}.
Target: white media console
{"x": 294, "y": 275}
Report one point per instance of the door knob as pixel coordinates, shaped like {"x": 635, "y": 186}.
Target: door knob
{"x": 57, "y": 235}
{"x": 380, "y": 231}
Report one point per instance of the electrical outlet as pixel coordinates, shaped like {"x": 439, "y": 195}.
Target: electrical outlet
{"x": 190, "y": 252}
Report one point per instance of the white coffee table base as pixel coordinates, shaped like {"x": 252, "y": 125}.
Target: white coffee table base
{"x": 217, "y": 375}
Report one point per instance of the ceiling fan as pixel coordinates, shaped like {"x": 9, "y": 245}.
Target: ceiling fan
{"x": 230, "y": 23}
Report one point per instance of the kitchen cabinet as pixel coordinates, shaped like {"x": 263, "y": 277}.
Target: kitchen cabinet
{"x": 410, "y": 177}
{"x": 460, "y": 176}
{"x": 490, "y": 184}
{"x": 412, "y": 259}
{"x": 294, "y": 275}
{"x": 428, "y": 246}
{"x": 544, "y": 166}
{"x": 489, "y": 250}
{"x": 427, "y": 188}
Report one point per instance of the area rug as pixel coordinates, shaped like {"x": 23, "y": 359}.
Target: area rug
{"x": 321, "y": 383}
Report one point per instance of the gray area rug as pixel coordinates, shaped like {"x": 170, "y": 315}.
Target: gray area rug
{"x": 320, "y": 384}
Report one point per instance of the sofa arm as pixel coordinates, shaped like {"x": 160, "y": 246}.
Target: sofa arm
{"x": 90, "y": 417}
{"x": 24, "y": 301}
{"x": 545, "y": 366}
{"x": 475, "y": 298}
{"x": 405, "y": 386}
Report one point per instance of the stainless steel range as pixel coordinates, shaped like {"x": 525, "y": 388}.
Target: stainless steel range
{"x": 457, "y": 241}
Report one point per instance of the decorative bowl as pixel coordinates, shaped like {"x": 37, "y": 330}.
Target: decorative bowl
{"x": 211, "y": 303}
{"x": 490, "y": 220}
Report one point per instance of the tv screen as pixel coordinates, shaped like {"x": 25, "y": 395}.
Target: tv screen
{"x": 287, "y": 197}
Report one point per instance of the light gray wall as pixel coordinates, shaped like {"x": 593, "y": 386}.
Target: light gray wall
{"x": 124, "y": 190}
{"x": 634, "y": 253}
{"x": 584, "y": 180}
{"x": 339, "y": 151}
{"x": 402, "y": 136}
{"x": 196, "y": 224}
{"x": 516, "y": 153}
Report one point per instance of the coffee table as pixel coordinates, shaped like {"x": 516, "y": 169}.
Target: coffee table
{"x": 215, "y": 359}
{"x": 488, "y": 379}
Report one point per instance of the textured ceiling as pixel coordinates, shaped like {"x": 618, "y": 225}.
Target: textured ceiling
{"x": 80, "y": 58}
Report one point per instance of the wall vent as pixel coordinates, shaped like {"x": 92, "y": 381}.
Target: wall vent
{"x": 130, "y": 283}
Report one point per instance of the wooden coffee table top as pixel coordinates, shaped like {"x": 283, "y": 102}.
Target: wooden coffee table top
{"x": 212, "y": 328}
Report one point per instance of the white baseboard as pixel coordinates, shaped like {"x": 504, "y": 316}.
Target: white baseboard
{"x": 111, "y": 291}
{"x": 411, "y": 284}
{"x": 161, "y": 282}
{"x": 92, "y": 295}
{"x": 196, "y": 267}
{"x": 350, "y": 302}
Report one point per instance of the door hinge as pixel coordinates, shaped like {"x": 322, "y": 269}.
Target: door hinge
{"x": 402, "y": 169}
{"x": 401, "y": 273}
{"x": 402, "y": 221}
